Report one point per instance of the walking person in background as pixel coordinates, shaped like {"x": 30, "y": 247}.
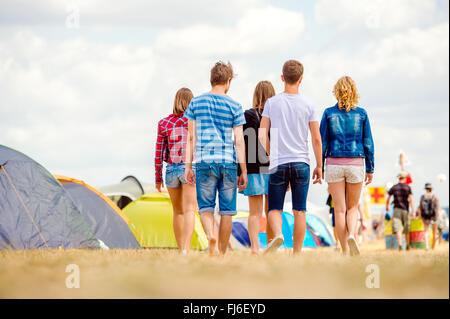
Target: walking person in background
{"x": 171, "y": 148}
{"x": 347, "y": 145}
{"x": 429, "y": 211}
{"x": 214, "y": 118}
{"x": 257, "y": 163}
{"x": 289, "y": 116}
{"x": 403, "y": 200}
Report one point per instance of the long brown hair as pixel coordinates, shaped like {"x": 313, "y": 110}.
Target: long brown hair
{"x": 263, "y": 91}
{"x": 182, "y": 100}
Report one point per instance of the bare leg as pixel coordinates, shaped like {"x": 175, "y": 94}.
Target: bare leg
{"x": 353, "y": 195}
{"x": 433, "y": 233}
{"x": 255, "y": 204}
{"x": 269, "y": 231}
{"x": 336, "y": 238}
{"x": 299, "y": 230}
{"x": 178, "y": 217}
{"x": 189, "y": 206}
{"x": 275, "y": 222}
{"x": 207, "y": 219}
{"x": 337, "y": 191}
{"x": 226, "y": 224}
{"x": 399, "y": 239}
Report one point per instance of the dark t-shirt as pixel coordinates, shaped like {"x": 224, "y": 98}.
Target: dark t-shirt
{"x": 401, "y": 193}
{"x": 255, "y": 156}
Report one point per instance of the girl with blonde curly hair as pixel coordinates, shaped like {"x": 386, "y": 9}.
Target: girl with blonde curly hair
{"x": 347, "y": 146}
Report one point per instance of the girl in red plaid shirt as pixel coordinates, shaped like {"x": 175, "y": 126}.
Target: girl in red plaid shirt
{"x": 171, "y": 148}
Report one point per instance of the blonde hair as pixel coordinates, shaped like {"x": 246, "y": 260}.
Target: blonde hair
{"x": 346, "y": 93}
{"x": 182, "y": 100}
{"x": 263, "y": 91}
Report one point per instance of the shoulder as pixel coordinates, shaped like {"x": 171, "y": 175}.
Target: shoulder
{"x": 330, "y": 109}
{"x": 233, "y": 103}
{"x": 164, "y": 120}
{"x": 361, "y": 110}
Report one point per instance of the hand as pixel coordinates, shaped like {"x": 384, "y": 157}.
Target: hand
{"x": 189, "y": 175}
{"x": 242, "y": 181}
{"x": 363, "y": 225}
{"x": 369, "y": 178}
{"x": 317, "y": 175}
{"x": 159, "y": 186}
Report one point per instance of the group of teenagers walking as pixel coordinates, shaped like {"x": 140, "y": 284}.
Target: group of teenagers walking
{"x": 213, "y": 149}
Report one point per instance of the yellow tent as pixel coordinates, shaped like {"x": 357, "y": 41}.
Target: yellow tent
{"x": 152, "y": 216}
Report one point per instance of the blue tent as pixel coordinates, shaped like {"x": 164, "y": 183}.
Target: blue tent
{"x": 35, "y": 209}
{"x": 317, "y": 234}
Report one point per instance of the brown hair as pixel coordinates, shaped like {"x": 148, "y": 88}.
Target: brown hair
{"x": 346, "y": 93}
{"x": 263, "y": 91}
{"x": 182, "y": 100}
{"x": 221, "y": 73}
{"x": 292, "y": 71}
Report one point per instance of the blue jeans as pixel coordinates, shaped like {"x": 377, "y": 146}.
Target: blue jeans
{"x": 211, "y": 178}
{"x": 175, "y": 175}
{"x": 297, "y": 174}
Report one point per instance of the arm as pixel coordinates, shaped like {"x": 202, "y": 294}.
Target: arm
{"x": 419, "y": 208}
{"x": 188, "y": 172}
{"x": 240, "y": 152}
{"x": 411, "y": 203}
{"x": 161, "y": 143}
{"x": 368, "y": 150}
{"x": 388, "y": 200}
{"x": 263, "y": 134}
{"x": 317, "y": 146}
{"x": 324, "y": 135}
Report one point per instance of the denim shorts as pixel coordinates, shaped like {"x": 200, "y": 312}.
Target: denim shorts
{"x": 175, "y": 175}
{"x": 213, "y": 178}
{"x": 297, "y": 174}
{"x": 258, "y": 184}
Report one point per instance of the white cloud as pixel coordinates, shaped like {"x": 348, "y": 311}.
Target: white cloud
{"x": 95, "y": 13}
{"x": 375, "y": 14}
{"x": 260, "y": 30}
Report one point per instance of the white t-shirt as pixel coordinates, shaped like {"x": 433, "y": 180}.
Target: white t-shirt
{"x": 290, "y": 115}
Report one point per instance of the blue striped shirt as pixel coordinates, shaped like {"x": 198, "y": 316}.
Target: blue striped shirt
{"x": 215, "y": 116}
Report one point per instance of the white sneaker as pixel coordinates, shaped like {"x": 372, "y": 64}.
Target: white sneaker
{"x": 183, "y": 252}
{"x": 275, "y": 244}
{"x": 353, "y": 245}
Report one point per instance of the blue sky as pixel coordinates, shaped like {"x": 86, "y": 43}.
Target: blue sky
{"x": 84, "y": 101}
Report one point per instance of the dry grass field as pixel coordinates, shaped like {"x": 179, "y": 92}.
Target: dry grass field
{"x": 160, "y": 273}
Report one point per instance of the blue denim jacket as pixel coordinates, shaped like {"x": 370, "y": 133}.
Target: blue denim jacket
{"x": 347, "y": 134}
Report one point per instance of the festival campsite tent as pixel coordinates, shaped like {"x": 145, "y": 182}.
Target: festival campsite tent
{"x": 35, "y": 210}
{"x": 128, "y": 190}
{"x": 152, "y": 216}
{"x": 317, "y": 234}
{"x": 108, "y": 223}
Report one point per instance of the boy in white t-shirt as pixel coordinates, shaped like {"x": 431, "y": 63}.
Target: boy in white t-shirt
{"x": 289, "y": 116}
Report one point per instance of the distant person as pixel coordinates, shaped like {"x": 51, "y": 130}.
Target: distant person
{"x": 171, "y": 148}
{"x": 257, "y": 163}
{"x": 333, "y": 223}
{"x": 347, "y": 145}
{"x": 289, "y": 116}
{"x": 214, "y": 118}
{"x": 429, "y": 211}
{"x": 403, "y": 201}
